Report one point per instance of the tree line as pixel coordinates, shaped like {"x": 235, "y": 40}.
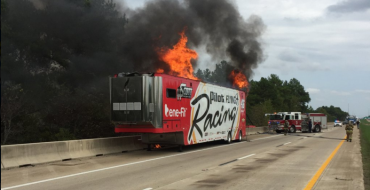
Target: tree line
{"x": 55, "y": 66}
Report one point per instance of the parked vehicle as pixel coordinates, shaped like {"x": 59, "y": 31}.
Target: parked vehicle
{"x": 297, "y": 121}
{"x": 351, "y": 119}
{"x": 338, "y": 123}
{"x": 166, "y": 109}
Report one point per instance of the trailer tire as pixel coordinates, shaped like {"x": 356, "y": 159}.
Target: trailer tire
{"x": 317, "y": 129}
{"x": 240, "y": 136}
{"x": 228, "y": 140}
{"x": 277, "y": 131}
{"x": 292, "y": 129}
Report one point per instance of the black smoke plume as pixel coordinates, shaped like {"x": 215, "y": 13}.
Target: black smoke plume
{"x": 215, "y": 24}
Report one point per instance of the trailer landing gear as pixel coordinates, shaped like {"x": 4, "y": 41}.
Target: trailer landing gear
{"x": 149, "y": 147}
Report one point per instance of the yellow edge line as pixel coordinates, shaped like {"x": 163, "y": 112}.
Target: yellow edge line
{"x": 322, "y": 168}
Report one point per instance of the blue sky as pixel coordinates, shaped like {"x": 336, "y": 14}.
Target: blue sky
{"x": 325, "y": 44}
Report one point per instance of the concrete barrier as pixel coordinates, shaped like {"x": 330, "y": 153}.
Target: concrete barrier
{"x": 256, "y": 130}
{"x": 28, "y": 154}
{"x": 38, "y": 153}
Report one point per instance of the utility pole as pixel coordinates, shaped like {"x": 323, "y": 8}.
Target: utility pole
{"x": 348, "y": 108}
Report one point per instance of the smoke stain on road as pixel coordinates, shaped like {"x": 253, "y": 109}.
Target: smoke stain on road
{"x": 240, "y": 171}
{"x": 279, "y": 155}
{"x": 298, "y": 147}
{"x": 214, "y": 181}
{"x": 244, "y": 168}
{"x": 265, "y": 160}
{"x": 290, "y": 150}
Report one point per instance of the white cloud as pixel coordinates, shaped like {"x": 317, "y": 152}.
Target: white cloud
{"x": 341, "y": 93}
{"x": 363, "y": 91}
{"x": 313, "y": 90}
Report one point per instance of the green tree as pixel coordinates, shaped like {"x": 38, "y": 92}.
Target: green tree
{"x": 60, "y": 55}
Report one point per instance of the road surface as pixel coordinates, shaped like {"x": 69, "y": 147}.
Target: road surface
{"x": 264, "y": 161}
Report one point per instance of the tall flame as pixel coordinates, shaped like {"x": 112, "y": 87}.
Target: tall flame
{"x": 178, "y": 58}
{"x": 238, "y": 79}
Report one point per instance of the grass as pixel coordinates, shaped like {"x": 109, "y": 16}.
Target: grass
{"x": 365, "y": 150}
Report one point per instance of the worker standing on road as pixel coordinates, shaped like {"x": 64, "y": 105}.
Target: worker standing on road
{"x": 349, "y": 131}
{"x": 286, "y": 126}
{"x": 309, "y": 126}
{"x": 358, "y": 124}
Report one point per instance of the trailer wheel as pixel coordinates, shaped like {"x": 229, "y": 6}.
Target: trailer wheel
{"x": 228, "y": 140}
{"x": 240, "y": 136}
{"x": 277, "y": 131}
{"x": 317, "y": 129}
{"x": 292, "y": 129}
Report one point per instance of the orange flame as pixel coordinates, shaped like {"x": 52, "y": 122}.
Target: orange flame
{"x": 157, "y": 146}
{"x": 178, "y": 58}
{"x": 239, "y": 79}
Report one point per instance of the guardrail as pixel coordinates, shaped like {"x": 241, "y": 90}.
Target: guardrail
{"x": 38, "y": 153}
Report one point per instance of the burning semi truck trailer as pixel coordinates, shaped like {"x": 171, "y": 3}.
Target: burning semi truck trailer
{"x": 166, "y": 109}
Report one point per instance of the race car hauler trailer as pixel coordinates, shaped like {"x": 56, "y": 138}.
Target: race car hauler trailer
{"x": 166, "y": 109}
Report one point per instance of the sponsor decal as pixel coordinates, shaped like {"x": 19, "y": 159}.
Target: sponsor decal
{"x": 214, "y": 97}
{"x": 223, "y": 132}
{"x": 184, "y": 92}
{"x": 205, "y": 134}
{"x": 213, "y": 110}
{"x": 174, "y": 112}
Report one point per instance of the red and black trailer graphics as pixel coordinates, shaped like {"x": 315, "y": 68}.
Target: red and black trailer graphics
{"x": 173, "y": 110}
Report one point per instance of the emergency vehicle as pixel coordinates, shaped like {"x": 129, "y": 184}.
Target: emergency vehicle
{"x": 351, "y": 119}
{"x": 166, "y": 109}
{"x": 297, "y": 121}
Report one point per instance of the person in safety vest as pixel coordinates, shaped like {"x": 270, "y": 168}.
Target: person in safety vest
{"x": 349, "y": 131}
{"x": 286, "y": 126}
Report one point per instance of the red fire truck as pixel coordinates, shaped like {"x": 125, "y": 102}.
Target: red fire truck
{"x": 166, "y": 109}
{"x": 297, "y": 121}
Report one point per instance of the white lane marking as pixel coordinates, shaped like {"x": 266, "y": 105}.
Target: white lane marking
{"x": 286, "y": 143}
{"x": 246, "y": 156}
{"x": 113, "y": 167}
{"x": 265, "y": 137}
{"x": 148, "y": 188}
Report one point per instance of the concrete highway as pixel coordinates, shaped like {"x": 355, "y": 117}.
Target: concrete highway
{"x": 264, "y": 161}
